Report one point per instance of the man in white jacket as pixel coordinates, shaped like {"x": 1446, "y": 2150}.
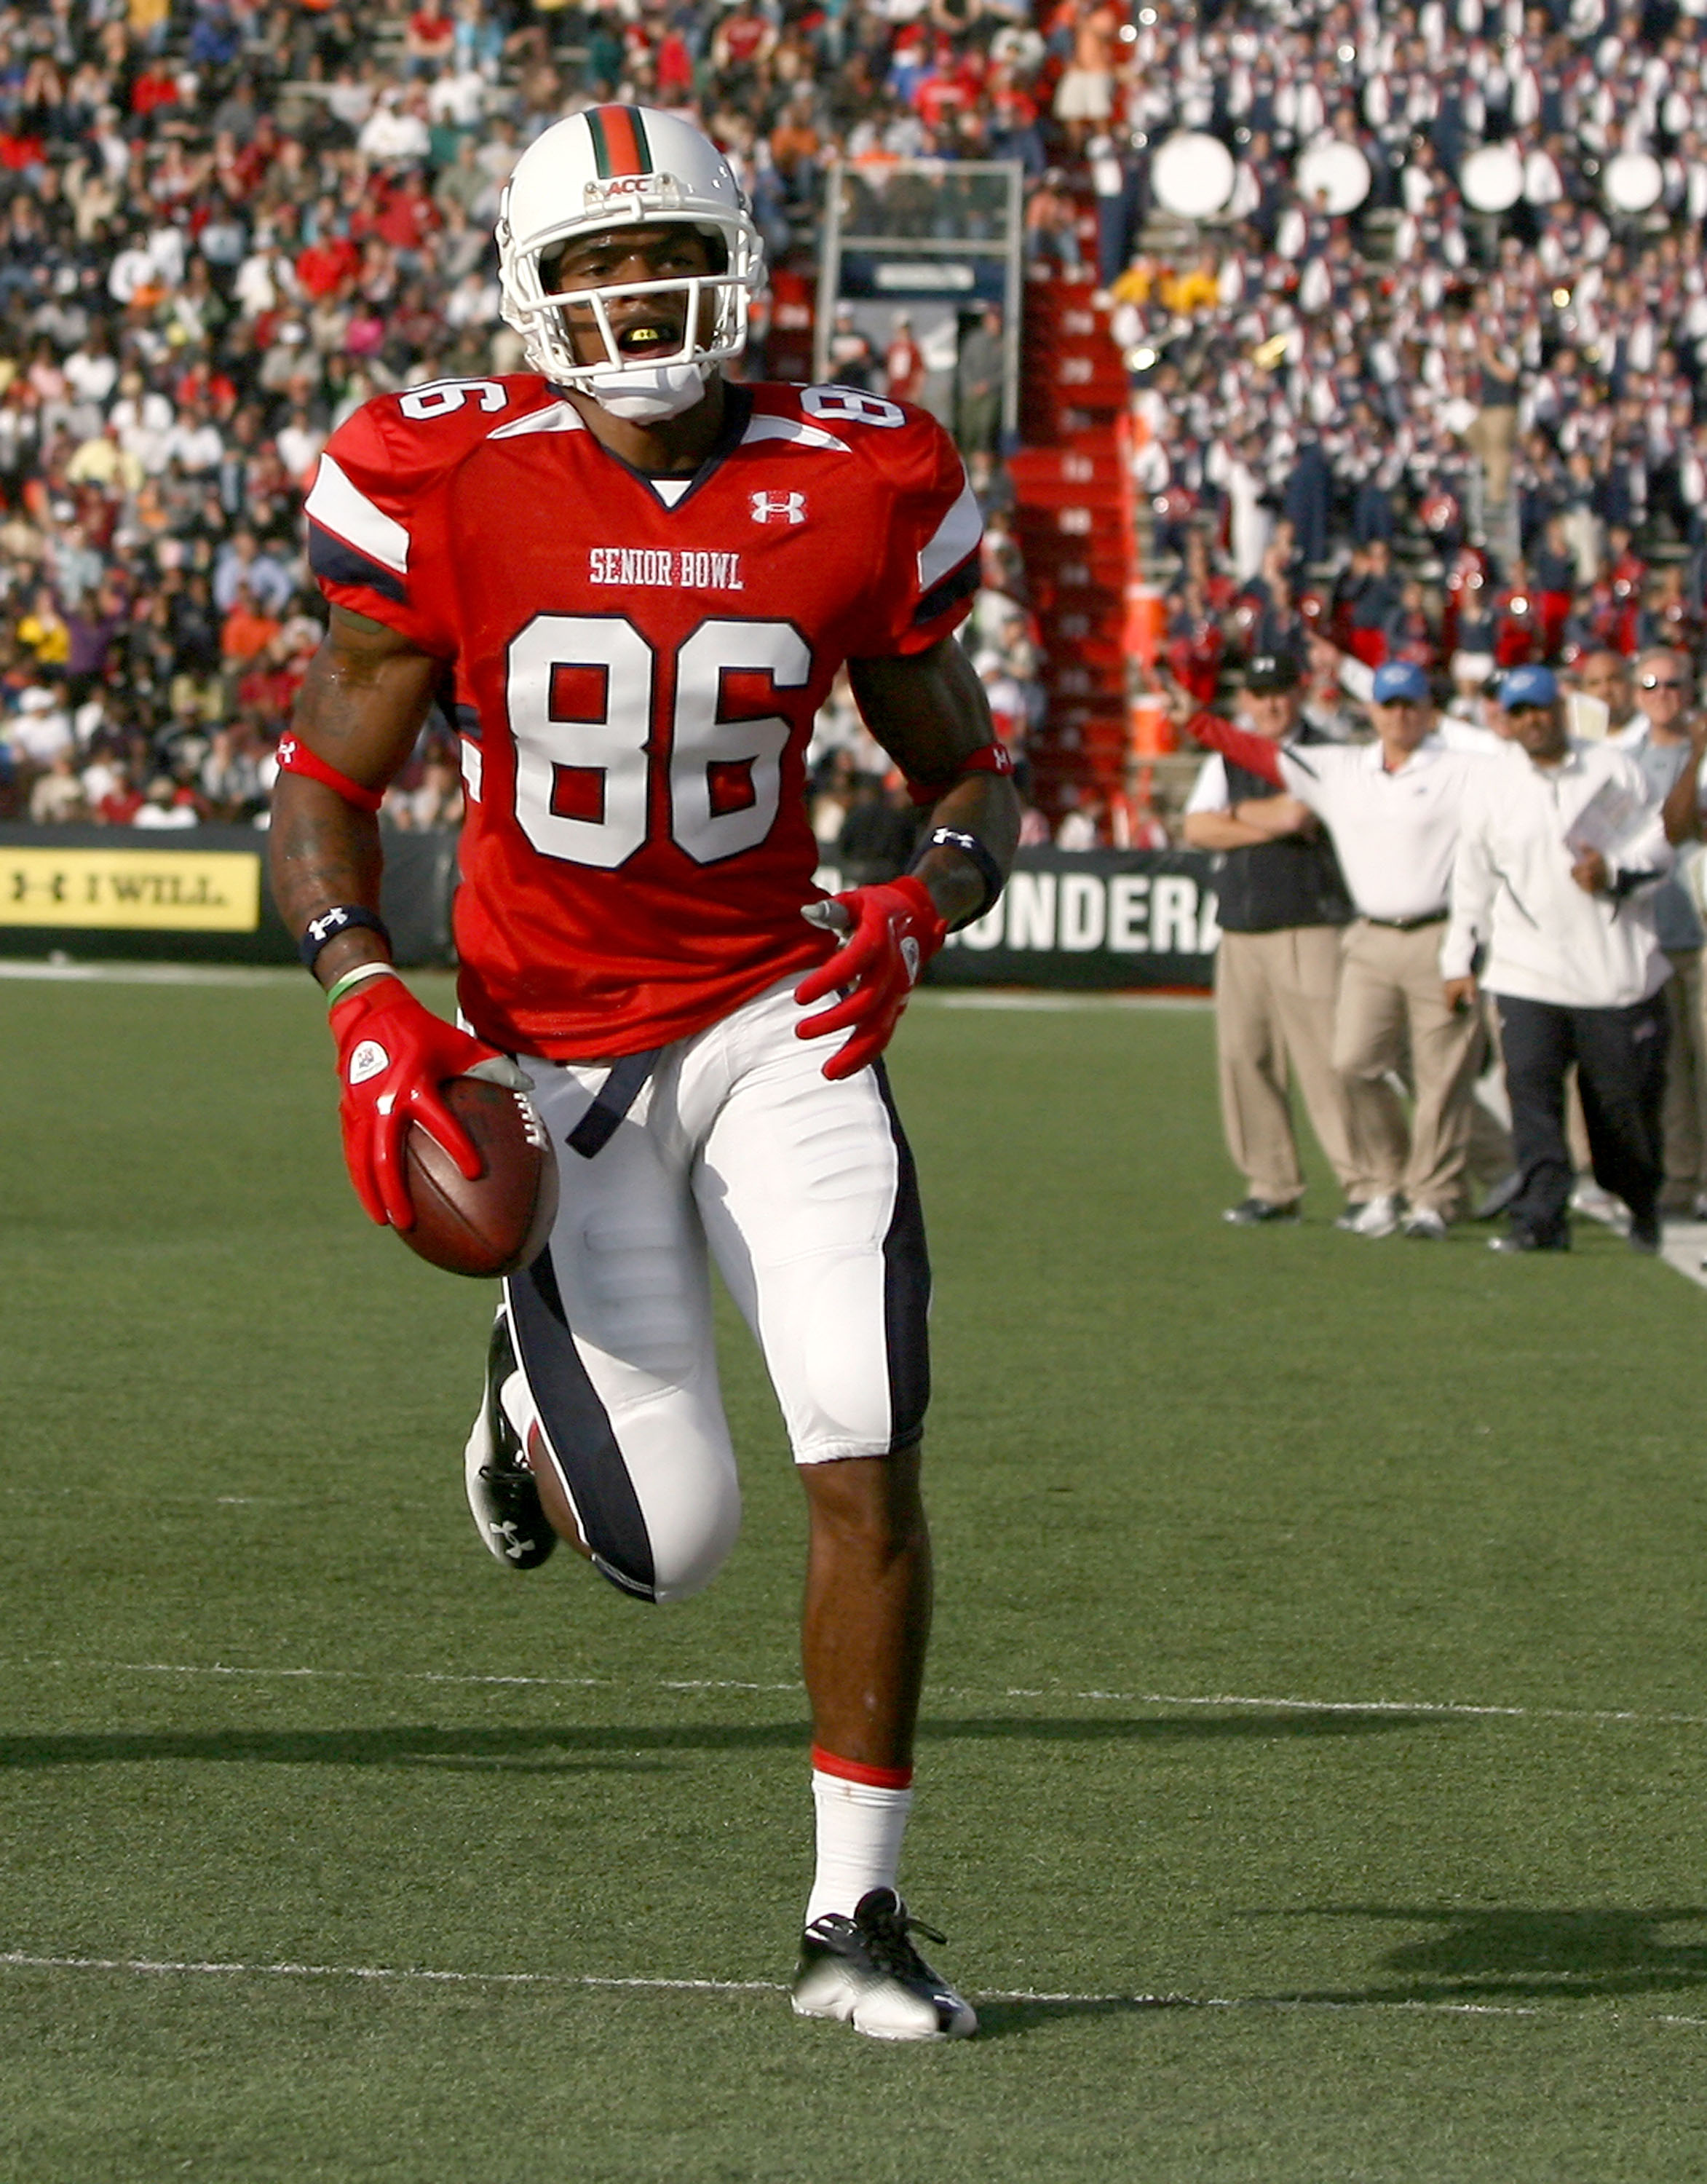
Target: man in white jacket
{"x": 1559, "y": 847}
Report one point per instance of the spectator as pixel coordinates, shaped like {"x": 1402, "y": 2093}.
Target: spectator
{"x": 1080, "y": 827}
{"x": 1283, "y": 904}
{"x": 1659, "y": 738}
{"x": 56, "y": 797}
{"x": 903, "y": 362}
{"x": 40, "y": 730}
{"x": 1556, "y": 837}
{"x": 852, "y": 360}
{"x": 165, "y": 805}
{"x": 978, "y": 381}
{"x": 878, "y": 834}
{"x": 246, "y": 630}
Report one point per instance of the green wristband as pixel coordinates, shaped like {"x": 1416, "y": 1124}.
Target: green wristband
{"x": 351, "y": 980}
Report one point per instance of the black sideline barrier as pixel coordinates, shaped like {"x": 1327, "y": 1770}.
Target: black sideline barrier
{"x": 194, "y": 895}
{"x": 1105, "y": 919}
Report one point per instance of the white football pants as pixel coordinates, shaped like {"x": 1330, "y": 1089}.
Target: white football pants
{"x": 804, "y": 1191}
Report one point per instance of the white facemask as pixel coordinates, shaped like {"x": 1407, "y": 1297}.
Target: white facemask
{"x": 646, "y": 398}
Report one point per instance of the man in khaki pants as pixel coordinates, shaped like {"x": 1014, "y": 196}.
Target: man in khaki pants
{"x": 1282, "y": 908}
{"x": 1391, "y": 809}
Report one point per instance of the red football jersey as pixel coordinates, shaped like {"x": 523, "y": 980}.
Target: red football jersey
{"x": 638, "y": 663}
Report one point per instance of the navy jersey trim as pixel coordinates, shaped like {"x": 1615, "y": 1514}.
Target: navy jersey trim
{"x": 958, "y": 584}
{"x": 337, "y": 563}
{"x": 737, "y": 414}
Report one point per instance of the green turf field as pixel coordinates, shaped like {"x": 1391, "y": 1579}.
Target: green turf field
{"x": 1312, "y": 1779}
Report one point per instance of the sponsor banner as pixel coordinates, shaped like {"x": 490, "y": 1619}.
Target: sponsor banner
{"x": 127, "y": 889}
{"x": 195, "y": 896}
{"x": 1107, "y": 918}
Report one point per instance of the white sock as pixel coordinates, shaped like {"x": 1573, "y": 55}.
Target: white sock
{"x": 860, "y": 1831}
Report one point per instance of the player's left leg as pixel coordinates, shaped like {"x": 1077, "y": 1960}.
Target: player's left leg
{"x": 602, "y": 1411}
{"x": 807, "y": 1194}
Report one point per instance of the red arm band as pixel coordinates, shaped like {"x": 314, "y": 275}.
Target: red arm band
{"x": 992, "y": 758}
{"x": 296, "y": 757}
{"x": 1255, "y": 754}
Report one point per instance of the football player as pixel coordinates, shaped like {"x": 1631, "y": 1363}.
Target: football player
{"x": 628, "y": 581}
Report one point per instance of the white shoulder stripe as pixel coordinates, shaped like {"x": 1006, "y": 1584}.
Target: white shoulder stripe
{"x": 338, "y": 506}
{"x": 956, "y": 536}
{"x": 560, "y": 417}
{"x": 763, "y": 427}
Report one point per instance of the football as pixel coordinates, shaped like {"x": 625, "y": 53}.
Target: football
{"x": 497, "y": 1224}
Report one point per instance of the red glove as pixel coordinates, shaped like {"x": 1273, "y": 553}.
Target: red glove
{"x": 893, "y": 930}
{"x": 393, "y": 1055}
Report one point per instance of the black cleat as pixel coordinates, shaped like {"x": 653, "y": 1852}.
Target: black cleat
{"x": 501, "y": 1496}
{"x": 865, "y": 1971}
{"x": 1525, "y": 1240}
{"x": 1644, "y": 1235}
{"x": 1252, "y": 1212}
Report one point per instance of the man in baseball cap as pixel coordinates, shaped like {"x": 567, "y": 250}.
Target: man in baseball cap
{"x": 1562, "y": 849}
{"x": 1400, "y": 683}
{"x": 1268, "y": 673}
{"x": 1282, "y": 905}
{"x": 1529, "y": 689}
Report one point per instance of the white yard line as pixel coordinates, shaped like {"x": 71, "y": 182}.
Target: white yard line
{"x": 1445, "y": 1709}
{"x": 605, "y": 1982}
{"x": 18, "y": 1960}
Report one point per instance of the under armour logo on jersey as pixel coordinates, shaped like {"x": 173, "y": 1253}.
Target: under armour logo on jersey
{"x": 779, "y": 507}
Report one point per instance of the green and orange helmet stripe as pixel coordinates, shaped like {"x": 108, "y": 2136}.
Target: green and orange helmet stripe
{"x": 619, "y": 142}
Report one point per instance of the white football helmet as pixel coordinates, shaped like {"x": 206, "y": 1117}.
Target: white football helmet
{"x": 603, "y": 169}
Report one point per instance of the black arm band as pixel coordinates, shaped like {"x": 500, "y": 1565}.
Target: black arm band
{"x": 341, "y": 917}
{"x": 969, "y": 845}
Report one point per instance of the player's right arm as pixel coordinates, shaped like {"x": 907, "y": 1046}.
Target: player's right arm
{"x": 359, "y": 710}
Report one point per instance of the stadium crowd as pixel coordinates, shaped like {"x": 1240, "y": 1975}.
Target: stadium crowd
{"x": 1435, "y": 433}
{"x": 224, "y": 224}
{"x": 1424, "y": 433}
